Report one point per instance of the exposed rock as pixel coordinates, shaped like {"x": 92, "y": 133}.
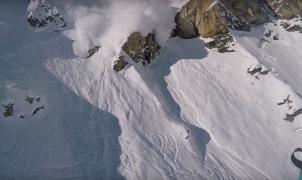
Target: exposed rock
{"x": 30, "y": 100}
{"x": 295, "y": 28}
{"x": 268, "y": 34}
{"x": 291, "y": 117}
{"x": 42, "y": 14}
{"x": 38, "y": 109}
{"x": 257, "y": 71}
{"x": 284, "y": 101}
{"x": 120, "y": 64}
{"x": 141, "y": 49}
{"x": 186, "y": 20}
{"x": 209, "y": 17}
{"x": 198, "y": 18}
{"x": 285, "y": 24}
{"x": 287, "y": 8}
{"x": 221, "y": 43}
{"x": 92, "y": 51}
{"x": 254, "y": 12}
{"x": 276, "y": 37}
{"x": 211, "y": 22}
{"x": 8, "y": 109}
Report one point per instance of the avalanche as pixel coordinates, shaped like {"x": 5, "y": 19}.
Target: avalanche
{"x": 193, "y": 113}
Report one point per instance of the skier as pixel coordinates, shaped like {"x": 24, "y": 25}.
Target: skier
{"x": 297, "y": 162}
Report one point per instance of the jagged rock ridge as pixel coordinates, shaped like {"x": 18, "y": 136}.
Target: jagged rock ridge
{"x": 41, "y": 14}
{"x": 212, "y": 17}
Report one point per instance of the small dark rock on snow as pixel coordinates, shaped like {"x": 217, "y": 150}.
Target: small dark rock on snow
{"x": 8, "y": 109}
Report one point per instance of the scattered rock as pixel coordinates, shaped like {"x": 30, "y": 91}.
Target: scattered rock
{"x": 92, "y": 51}
{"x": 284, "y": 101}
{"x": 276, "y": 37}
{"x": 221, "y": 43}
{"x": 289, "y": 28}
{"x": 291, "y": 117}
{"x": 30, "y": 100}
{"x": 22, "y": 116}
{"x": 265, "y": 72}
{"x": 286, "y": 9}
{"x": 141, "y": 49}
{"x": 257, "y": 71}
{"x": 285, "y": 24}
{"x": 42, "y": 14}
{"x": 38, "y": 109}
{"x": 295, "y": 28}
{"x": 268, "y": 34}
{"x": 8, "y": 110}
{"x": 120, "y": 64}
{"x": 38, "y": 99}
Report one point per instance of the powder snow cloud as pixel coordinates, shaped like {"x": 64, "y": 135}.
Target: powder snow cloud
{"x": 108, "y": 23}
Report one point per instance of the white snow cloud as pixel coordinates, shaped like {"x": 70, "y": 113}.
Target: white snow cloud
{"x": 109, "y": 23}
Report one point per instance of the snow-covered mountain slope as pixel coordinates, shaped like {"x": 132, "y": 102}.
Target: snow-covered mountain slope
{"x": 193, "y": 113}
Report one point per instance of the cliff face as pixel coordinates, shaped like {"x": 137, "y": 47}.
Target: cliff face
{"x": 287, "y": 8}
{"x": 211, "y": 17}
{"x": 42, "y": 14}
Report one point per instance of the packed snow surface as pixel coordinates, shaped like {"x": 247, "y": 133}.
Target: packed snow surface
{"x": 193, "y": 113}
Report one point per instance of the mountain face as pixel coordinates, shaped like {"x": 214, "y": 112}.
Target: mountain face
{"x": 150, "y": 89}
{"x": 41, "y": 14}
{"x": 286, "y": 9}
{"x": 211, "y": 17}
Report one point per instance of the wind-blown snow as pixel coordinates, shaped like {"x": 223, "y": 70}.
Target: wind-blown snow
{"x": 192, "y": 114}
{"x": 109, "y": 23}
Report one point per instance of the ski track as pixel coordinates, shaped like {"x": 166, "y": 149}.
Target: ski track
{"x": 191, "y": 114}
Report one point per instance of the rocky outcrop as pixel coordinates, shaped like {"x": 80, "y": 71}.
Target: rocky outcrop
{"x": 210, "y": 17}
{"x": 200, "y": 18}
{"x": 287, "y": 9}
{"x": 120, "y": 64}
{"x": 221, "y": 42}
{"x": 92, "y": 51}
{"x": 211, "y": 21}
{"x": 41, "y": 14}
{"x": 291, "y": 28}
{"x": 141, "y": 49}
{"x": 186, "y": 21}
{"x": 253, "y": 12}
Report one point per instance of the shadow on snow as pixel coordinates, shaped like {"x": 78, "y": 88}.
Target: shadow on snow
{"x": 154, "y": 76}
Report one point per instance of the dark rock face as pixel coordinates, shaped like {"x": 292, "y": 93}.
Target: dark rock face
{"x": 120, "y": 64}
{"x": 221, "y": 43}
{"x": 251, "y": 11}
{"x": 141, "y": 49}
{"x": 42, "y": 14}
{"x": 186, "y": 20}
{"x": 291, "y": 117}
{"x": 92, "y": 51}
{"x": 295, "y": 28}
{"x": 209, "y": 18}
{"x": 286, "y": 9}
{"x": 8, "y": 109}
